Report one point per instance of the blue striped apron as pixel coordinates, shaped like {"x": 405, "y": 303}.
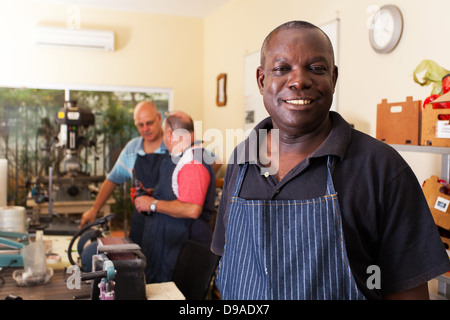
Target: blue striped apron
{"x": 285, "y": 249}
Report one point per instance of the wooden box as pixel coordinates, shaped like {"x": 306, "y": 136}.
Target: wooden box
{"x": 399, "y": 122}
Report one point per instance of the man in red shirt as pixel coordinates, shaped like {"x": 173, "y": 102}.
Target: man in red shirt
{"x": 182, "y": 203}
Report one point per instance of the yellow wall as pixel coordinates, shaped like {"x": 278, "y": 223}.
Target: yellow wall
{"x": 151, "y": 51}
{"x": 187, "y": 54}
{"x": 365, "y": 77}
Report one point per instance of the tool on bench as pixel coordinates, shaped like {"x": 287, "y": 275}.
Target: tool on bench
{"x": 10, "y": 245}
{"x": 106, "y": 277}
{"x": 129, "y": 263}
{"x": 126, "y": 259}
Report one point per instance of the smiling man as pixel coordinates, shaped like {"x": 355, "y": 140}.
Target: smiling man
{"x": 337, "y": 204}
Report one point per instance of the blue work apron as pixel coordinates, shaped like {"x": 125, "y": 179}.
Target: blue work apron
{"x": 146, "y": 168}
{"x": 163, "y": 235}
{"x": 285, "y": 249}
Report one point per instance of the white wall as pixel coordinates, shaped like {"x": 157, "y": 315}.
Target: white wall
{"x": 151, "y": 51}
{"x": 187, "y": 54}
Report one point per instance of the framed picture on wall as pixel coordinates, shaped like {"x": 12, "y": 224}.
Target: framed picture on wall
{"x": 221, "y": 96}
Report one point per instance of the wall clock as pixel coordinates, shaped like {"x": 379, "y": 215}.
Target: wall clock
{"x": 386, "y": 29}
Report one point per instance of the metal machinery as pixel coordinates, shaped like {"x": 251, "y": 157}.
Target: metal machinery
{"x": 71, "y": 120}
{"x": 117, "y": 271}
{"x": 71, "y": 185}
{"x": 115, "y": 265}
{"x": 10, "y": 245}
{"x": 105, "y": 279}
{"x": 129, "y": 264}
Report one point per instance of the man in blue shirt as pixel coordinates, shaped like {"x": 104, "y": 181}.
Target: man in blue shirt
{"x": 146, "y": 151}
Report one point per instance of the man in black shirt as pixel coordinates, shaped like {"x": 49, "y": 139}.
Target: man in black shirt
{"x": 334, "y": 210}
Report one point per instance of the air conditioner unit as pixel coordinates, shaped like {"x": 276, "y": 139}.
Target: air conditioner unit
{"x": 75, "y": 38}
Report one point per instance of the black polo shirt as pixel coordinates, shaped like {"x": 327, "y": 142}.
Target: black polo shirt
{"x": 386, "y": 219}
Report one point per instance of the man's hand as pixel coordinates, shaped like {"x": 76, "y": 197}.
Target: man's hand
{"x": 105, "y": 192}
{"x": 139, "y": 191}
{"x": 143, "y": 203}
{"x": 88, "y": 217}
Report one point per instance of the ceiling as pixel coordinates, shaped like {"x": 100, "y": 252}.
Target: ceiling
{"x": 189, "y": 8}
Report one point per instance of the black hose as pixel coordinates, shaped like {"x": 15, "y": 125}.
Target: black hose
{"x": 99, "y": 221}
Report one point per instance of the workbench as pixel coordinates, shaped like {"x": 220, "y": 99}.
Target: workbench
{"x": 69, "y": 207}
{"x": 64, "y": 222}
{"x": 56, "y": 288}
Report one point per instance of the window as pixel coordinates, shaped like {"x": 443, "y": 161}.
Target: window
{"x": 29, "y": 132}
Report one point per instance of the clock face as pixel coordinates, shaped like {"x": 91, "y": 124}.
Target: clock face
{"x": 383, "y": 28}
{"x": 386, "y": 29}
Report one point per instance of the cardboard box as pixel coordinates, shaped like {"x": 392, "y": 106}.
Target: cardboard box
{"x": 443, "y": 98}
{"x": 446, "y": 242}
{"x": 399, "y": 122}
{"x": 435, "y": 132}
{"x": 438, "y": 202}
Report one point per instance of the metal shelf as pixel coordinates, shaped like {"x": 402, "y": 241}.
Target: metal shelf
{"x": 443, "y": 280}
{"x": 426, "y": 149}
{"x": 444, "y": 152}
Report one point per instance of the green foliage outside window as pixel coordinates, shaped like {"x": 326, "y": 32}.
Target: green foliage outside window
{"x": 28, "y": 134}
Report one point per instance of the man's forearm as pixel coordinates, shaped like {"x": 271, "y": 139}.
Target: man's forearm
{"x": 179, "y": 209}
{"x": 105, "y": 192}
{"x": 173, "y": 208}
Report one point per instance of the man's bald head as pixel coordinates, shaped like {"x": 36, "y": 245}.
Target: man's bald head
{"x": 180, "y": 120}
{"x": 148, "y": 106}
{"x": 291, "y": 25}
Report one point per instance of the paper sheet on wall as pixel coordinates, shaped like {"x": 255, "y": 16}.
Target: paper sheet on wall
{"x": 254, "y": 110}
{"x": 332, "y": 30}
